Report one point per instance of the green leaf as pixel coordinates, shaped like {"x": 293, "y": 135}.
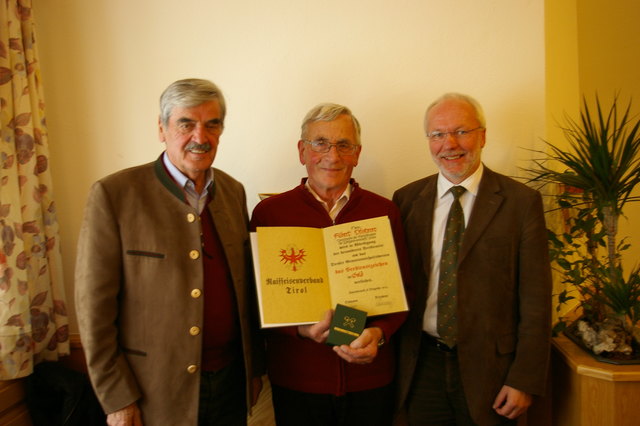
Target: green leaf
{"x": 558, "y": 328}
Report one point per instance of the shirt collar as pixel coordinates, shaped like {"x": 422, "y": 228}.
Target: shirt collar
{"x": 471, "y": 184}
{"x": 346, "y": 194}
{"x": 180, "y": 177}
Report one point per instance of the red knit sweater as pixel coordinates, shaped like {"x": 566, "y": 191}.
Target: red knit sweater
{"x": 301, "y": 364}
{"x": 221, "y": 329}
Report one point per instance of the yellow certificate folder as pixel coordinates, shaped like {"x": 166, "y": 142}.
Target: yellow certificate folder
{"x": 301, "y": 272}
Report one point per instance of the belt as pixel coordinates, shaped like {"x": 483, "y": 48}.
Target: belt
{"x": 433, "y": 341}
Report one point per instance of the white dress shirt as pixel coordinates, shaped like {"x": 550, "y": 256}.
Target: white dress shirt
{"x": 444, "y": 199}
{"x": 337, "y": 206}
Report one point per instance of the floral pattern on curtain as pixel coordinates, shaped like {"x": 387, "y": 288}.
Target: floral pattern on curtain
{"x": 33, "y": 313}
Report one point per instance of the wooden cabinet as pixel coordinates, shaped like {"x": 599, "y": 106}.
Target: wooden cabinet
{"x": 587, "y": 392}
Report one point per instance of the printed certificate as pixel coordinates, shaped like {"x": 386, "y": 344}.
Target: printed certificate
{"x": 301, "y": 272}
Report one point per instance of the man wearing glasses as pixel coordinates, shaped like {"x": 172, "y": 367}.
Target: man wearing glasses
{"x": 316, "y": 384}
{"x": 475, "y": 346}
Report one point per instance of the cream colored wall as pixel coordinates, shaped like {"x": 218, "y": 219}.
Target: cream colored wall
{"x": 609, "y": 52}
{"x": 105, "y": 62}
{"x": 562, "y": 87}
{"x": 609, "y": 48}
{"x": 562, "y": 83}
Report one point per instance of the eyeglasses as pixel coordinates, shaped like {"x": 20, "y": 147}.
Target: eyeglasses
{"x": 322, "y": 146}
{"x": 457, "y": 134}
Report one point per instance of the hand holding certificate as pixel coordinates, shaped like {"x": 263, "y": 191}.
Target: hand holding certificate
{"x": 301, "y": 272}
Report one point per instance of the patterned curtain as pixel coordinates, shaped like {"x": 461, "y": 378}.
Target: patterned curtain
{"x": 33, "y": 313}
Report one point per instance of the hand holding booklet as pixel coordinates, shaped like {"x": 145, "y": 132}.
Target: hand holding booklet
{"x": 301, "y": 272}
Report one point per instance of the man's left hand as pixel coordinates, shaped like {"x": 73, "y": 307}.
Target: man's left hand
{"x": 511, "y": 402}
{"x": 362, "y": 350}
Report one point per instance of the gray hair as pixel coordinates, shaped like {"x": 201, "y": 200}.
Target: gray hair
{"x": 458, "y": 97}
{"x": 329, "y": 112}
{"x": 189, "y": 93}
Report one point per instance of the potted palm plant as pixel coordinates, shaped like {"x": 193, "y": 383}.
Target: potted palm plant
{"x": 594, "y": 177}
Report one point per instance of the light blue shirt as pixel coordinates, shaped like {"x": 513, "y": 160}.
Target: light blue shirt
{"x": 195, "y": 200}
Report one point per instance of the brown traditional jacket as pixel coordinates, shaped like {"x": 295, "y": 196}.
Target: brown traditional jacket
{"x": 139, "y": 283}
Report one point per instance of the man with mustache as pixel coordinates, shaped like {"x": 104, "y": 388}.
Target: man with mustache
{"x": 475, "y": 347}
{"x": 163, "y": 279}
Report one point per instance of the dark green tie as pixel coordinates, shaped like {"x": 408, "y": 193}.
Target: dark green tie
{"x": 447, "y": 286}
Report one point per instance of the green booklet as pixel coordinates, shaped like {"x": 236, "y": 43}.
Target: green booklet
{"x": 346, "y": 326}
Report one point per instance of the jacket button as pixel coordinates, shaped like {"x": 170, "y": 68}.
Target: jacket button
{"x": 194, "y": 254}
{"x": 191, "y": 217}
{"x": 192, "y": 368}
{"x": 194, "y": 331}
{"x": 196, "y": 292}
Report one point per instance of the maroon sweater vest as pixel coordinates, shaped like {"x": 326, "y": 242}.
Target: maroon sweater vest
{"x": 221, "y": 330}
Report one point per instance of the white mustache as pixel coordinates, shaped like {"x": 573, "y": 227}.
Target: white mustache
{"x": 191, "y": 146}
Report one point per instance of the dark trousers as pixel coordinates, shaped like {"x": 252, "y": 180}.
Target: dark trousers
{"x": 223, "y": 399}
{"x": 371, "y": 408}
{"x": 437, "y": 396}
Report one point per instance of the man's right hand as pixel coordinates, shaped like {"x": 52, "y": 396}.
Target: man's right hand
{"x": 128, "y": 416}
{"x": 319, "y": 331}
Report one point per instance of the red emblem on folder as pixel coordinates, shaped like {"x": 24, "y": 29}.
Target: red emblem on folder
{"x": 293, "y": 257}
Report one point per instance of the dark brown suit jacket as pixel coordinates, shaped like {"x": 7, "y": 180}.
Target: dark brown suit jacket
{"x": 504, "y": 290}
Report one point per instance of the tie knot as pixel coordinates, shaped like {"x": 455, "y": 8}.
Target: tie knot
{"x": 457, "y": 191}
